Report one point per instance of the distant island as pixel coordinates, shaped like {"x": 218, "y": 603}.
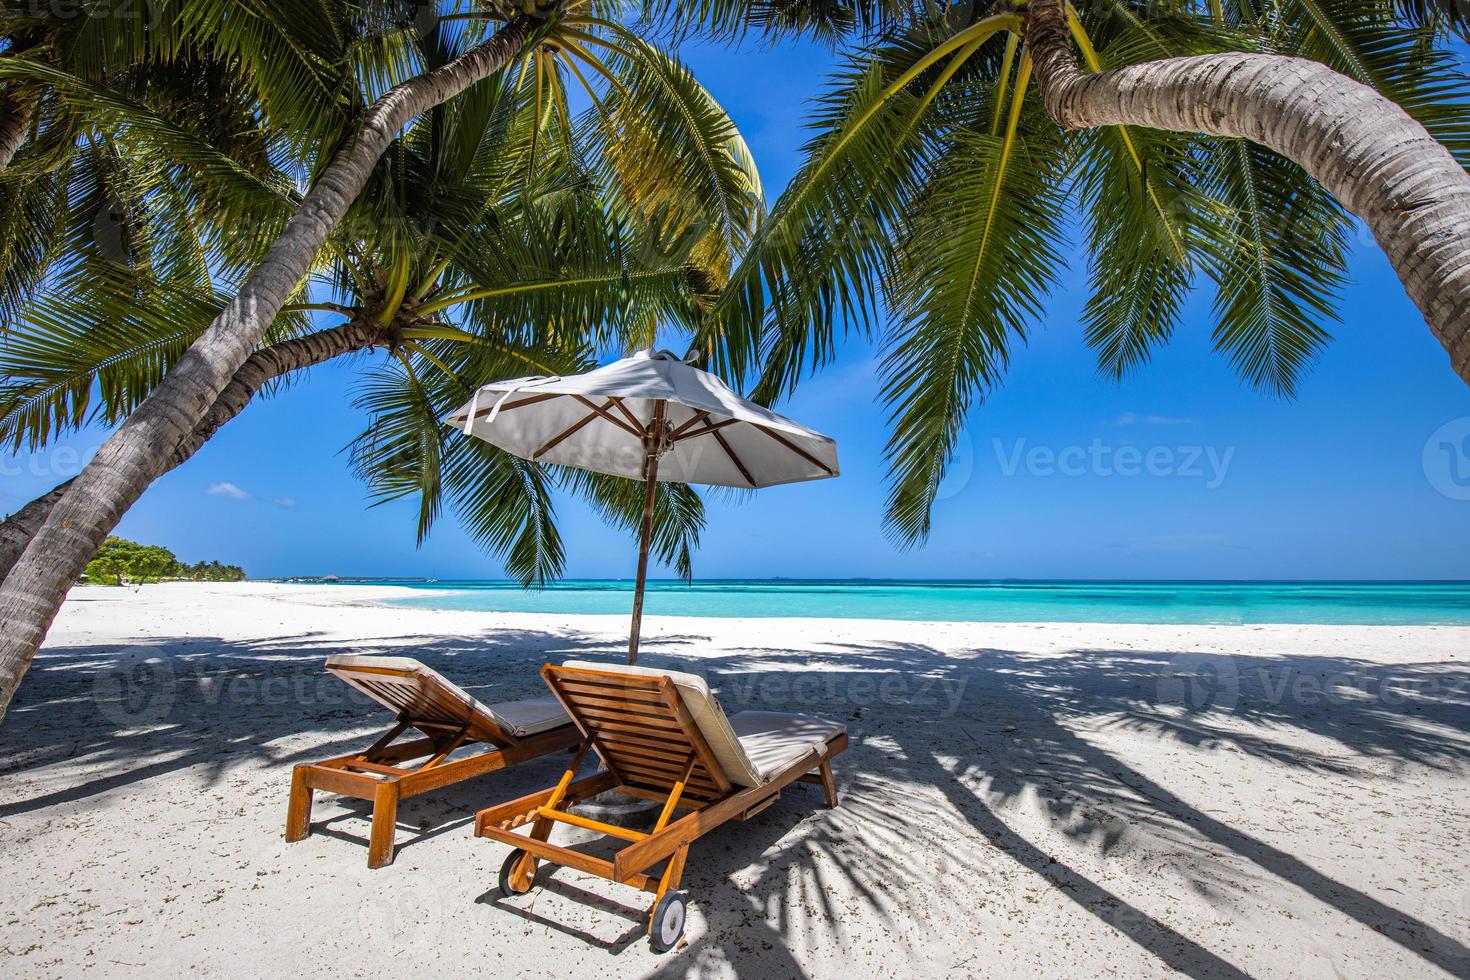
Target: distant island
{"x": 120, "y": 560}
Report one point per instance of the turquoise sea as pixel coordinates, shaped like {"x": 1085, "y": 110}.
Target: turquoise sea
{"x": 1372, "y": 603}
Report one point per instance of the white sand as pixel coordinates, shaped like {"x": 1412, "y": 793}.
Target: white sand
{"x": 1018, "y": 800}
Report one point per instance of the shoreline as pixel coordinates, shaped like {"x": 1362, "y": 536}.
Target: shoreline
{"x": 390, "y": 595}
{"x": 1076, "y": 799}
{"x": 386, "y": 594}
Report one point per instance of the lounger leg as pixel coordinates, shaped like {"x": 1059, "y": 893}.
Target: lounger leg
{"x": 298, "y": 810}
{"x": 670, "y": 880}
{"x": 385, "y": 822}
{"x": 829, "y": 783}
{"x": 525, "y": 872}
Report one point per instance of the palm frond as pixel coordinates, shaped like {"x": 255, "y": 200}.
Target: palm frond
{"x": 32, "y": 219}
{"x": 1277, "y": 245}
{"x": 816, "y": 259}
{"x": 296, "y": 52}
{"x": 570, "y": 269}
{"x": 1138, "y": 199}
{"x": 977, "y": 258}
{"x": 1367, "y": 41}
{"x": 671, "y": 151}
{"x": 74, "y": 357}
{"x": 165, "y": 141}
{"x": 504, "y": 503}
{"x": 678, "y": 513}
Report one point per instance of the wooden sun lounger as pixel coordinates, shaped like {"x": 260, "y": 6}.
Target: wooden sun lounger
{"x": 661, "y": 736}
{"x": 450, "y": 721}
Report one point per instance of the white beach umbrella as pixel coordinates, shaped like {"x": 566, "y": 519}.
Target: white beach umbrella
{"x": 648, "y": 417}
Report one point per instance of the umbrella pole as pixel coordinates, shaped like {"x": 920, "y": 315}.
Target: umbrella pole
{"x": 650, "y": 488}
{"x": 651, "y": 485}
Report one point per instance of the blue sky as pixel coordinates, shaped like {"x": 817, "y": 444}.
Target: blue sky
{"x": 1181, "y": 472}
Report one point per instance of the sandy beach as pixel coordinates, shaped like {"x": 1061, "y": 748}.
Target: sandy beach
{"x": 1018, "y": 800}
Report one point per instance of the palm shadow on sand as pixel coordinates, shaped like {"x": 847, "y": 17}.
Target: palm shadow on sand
{"x": 209, "y": 705}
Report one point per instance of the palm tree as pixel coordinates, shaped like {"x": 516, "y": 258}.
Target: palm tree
{"x": 197, "y": 141}
{"x": 939, "y": 183}
{"x": 48, "y": 35}
{"x": 1388, "y": 144}
{"x": 693, "y": 188}
{"x": 1414, "y": 199}
{"x": 142, "y": 446}
{"x": 120, "y": 317}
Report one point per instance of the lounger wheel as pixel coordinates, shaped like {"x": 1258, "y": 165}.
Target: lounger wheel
{"x": 505, "y": 872}
{"x": 667, "y": 922}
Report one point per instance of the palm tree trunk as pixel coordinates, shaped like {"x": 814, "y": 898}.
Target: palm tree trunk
{"x": 17, "y": 107}
{"x": 1381, "y": 164}
{"x": 265, "y": 365}
{"x": 142, "y": 446}
{"x": 18, "y": 101}
{"x": 21, "y": 526}
{"x": 276, "y": 361}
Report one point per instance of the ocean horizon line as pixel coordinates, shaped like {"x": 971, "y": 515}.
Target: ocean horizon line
{"x": 877, "y": 581}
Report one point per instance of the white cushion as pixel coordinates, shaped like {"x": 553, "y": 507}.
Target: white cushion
{"x": 705, "y": 711}
{"x": 530, "y": 716}
{"x": 773, "y": 739}
{"x": 518, "y": 718}
{"x": 367, "y": 660}
{"x": 777, "y": 739}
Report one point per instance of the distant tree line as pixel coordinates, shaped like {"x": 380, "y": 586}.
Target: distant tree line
{"x": 120, "y": 560}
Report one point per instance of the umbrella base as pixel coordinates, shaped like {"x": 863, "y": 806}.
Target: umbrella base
{"x": 620, "y": 810}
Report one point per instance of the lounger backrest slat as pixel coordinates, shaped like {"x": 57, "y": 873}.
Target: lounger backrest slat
{"x": 419, "y": 696}
{"x": 648, "y": 723}
{"x": 635, "y": 726}
{"x": 404, "y": 694}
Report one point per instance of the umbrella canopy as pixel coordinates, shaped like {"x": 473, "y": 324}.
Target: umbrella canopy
{"x": 648, "y": 417}
{"x": 602, "y": 421}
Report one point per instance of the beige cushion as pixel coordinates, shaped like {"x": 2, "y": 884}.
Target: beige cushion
{"x": 776, "y": 739}
{"x": 773, "y": 739}
{"x": 522, "y": 718}
{"x": 519, "y": 718}
{"x": 705, "y": 711}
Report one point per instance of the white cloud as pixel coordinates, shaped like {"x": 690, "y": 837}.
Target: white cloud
{"x": 227, "y": 490}
{"x": 285, "y": 501}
